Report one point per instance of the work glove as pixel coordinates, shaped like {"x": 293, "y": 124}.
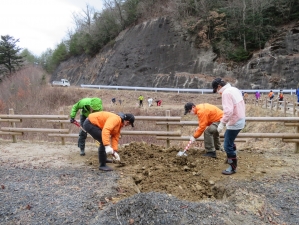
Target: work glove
{"x": 116, "y": 156}
{"x": 72, "y": 120}
{"x": 220, "y": 127}
{"x": 192, "y": 139}
{"x": 109, "y": 150}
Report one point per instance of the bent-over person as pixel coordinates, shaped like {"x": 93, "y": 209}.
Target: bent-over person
{"x": 208, "y": 119}
{"x": 103, "y": 126}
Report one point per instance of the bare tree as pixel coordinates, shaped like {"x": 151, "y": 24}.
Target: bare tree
{"x": 84, "y": 20}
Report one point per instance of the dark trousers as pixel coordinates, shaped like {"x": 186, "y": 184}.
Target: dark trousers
{"x": 96, "y": 133}
{"x": 82, "y": 134}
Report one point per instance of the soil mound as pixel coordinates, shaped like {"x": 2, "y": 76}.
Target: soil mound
{"x": 152, "y": 168}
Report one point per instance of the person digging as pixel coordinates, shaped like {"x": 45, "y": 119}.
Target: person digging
{"x": 208, "y": 119}
{"x": 105, "y": 125}
{"x": 87, "y": 106}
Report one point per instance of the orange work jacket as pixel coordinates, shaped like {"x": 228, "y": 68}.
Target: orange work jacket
{"x": 110, "y": 124}
{"x": 207, "y": 114}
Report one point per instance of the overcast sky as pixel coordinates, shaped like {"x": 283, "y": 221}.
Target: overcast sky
{"x": 40, "y": 24}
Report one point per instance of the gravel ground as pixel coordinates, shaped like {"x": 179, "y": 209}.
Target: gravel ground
{"x": 49, "y": 196}
{"x": 259, "y": 202}
{"x": 76, "y": 196}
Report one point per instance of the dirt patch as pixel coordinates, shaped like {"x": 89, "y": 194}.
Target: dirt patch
{"x": 154, "y": 168}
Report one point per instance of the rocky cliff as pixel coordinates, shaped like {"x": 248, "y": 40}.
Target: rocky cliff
{"x": 159, "y": 53}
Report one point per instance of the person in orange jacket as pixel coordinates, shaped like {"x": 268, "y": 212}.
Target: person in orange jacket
{"x": 105, "y": 125}
{"x": 271, "y": 95}
{"x": 208, "y": 119}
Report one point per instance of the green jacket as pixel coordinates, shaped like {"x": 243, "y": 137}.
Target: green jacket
{"x": 86, "y": 104}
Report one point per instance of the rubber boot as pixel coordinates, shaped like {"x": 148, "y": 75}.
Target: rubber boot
{"x": 82, "y": 152}
{"x": 109, "y": 161}
{"x": 235, "y": 149}
{"x": 102, "y": 161}
{"x": 232, "y": 166}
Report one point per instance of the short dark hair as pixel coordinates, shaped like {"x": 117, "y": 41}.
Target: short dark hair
{"x": 188, "y": 107}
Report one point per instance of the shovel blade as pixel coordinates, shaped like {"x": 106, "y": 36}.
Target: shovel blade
{"x": 181, "y": 153}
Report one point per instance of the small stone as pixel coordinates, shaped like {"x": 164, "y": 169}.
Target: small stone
{"x": 211, "y": 182}
{"x": 186, "y": 168}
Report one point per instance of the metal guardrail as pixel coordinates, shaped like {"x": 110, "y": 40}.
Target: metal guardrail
{"x": 178, "y": 90}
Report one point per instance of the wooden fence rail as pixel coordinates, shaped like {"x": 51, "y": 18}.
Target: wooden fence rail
{"x": 160, "y": 135}
{"x": 287, "y": 106}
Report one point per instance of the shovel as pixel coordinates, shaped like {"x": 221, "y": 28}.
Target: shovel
{"x": 183, "y": 153}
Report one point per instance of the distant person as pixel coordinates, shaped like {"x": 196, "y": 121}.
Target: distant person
{"x": 159, "y": 102}
{"x": 120, "y": 101}
{"x": 113, "y": 100}
{"x": 105, "y": 128}
{"x": 150, "y": 101}
{"x": 257, "y": 95}
{"x": 271, "y": 95}
{"x": 87, "y": 106}
{"x": 297, "y": 93}
{"x": 280, "y": 96}
{"x": 208, "y": 119}
{"x": 140, "y": 98}
{"x": 233, "y": 118}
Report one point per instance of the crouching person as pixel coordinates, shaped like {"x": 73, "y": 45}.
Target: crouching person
{"x": 105, "y": 125}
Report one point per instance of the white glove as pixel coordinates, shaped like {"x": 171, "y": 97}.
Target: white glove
{"x": 109, "y": 150}
{"x": 192, "y": 139}
{"x": 116, "y": 156}
{"x": 220, "y": 127}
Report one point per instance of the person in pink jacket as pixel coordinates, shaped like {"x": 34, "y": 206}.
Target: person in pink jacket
{"x": 233, "y": 118}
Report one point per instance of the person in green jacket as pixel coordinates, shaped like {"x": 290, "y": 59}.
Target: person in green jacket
{"x": 87, "y": 106}
{"x": 140, "y": 98}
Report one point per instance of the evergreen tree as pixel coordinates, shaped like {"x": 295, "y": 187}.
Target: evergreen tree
{"x": 10, "y": 61}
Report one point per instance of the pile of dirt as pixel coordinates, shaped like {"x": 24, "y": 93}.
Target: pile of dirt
{"x": 147, "y": 168}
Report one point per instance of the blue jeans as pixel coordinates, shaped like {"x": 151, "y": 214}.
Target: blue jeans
{"x": 229, "y": 139}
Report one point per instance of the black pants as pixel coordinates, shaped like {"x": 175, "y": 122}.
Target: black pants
{"x": 96, "y": 133}
{"x": 82, "y": 134}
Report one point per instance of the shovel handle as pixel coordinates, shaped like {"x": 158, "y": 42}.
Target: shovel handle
{"x": 188, "y": 146}
{"x": 78, "y": 125}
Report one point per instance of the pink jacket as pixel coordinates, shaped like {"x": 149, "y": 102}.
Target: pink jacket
{"x": 233, "y": 105}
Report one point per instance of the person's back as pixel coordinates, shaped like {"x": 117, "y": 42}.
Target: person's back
{"x": 150, "y": 101}
{"x": 207, "y": 114}
{"x": 87, "y": 106}
{"x": 271, "y": 95}
{"x": 233, "y": 101}
{"x": 257, "y": 95}
{"x": 280, "y": 96}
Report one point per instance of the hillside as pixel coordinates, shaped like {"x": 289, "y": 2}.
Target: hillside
{"x": 185, "y": 45}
